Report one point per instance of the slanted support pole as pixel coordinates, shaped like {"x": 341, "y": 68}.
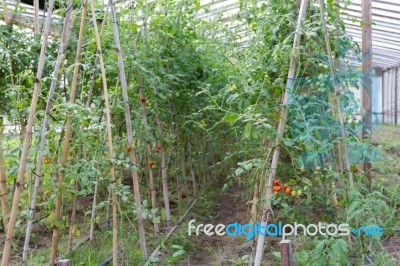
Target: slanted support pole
{"x": 266, "y": 211}
{"x": 367, "y": 78}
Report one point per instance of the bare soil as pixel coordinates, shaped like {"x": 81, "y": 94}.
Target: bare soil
{"x": 220, "y": 250}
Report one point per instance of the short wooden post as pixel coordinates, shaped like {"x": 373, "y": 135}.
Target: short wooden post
{"x": 64, "y": 262}
{"x": 286, "y": 253}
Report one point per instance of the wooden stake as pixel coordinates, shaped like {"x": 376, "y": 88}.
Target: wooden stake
{"x": 254, "y": 202}
{"x": 192, "y": 174}
{"x": 68, "y": 133}
{"x": 45, "y": 124}
{"x": 73, "y": 217}
{"x": 109, "y": 136}
{"x": 36, "y": 17}
{"x": 27, "y": 140}
{"x": 64, "y": 262}
{"x": 164, "y": 167}
{"x": 183, "y": 167}
{"x": 3, "y": 182}
{"x": 366, "y": 50}
{"x": 93, "y": 216}
{"x": 88, "y": 103}
{"x": 337, "y": 93}
{"x": 281, "y": 128}
{"x": 132, "y": 155}
{"x": 286, "y": 253}
{"x": 146, "y": 130}
{"x": 93, "y": 81}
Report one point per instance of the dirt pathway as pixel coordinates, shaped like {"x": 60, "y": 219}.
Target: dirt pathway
{"x": 221, "y": 250}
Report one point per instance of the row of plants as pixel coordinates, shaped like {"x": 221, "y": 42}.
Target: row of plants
{"x": 151, "y": 104}
{"x": 138, "y": 157}
{"x": 317, "y": 186}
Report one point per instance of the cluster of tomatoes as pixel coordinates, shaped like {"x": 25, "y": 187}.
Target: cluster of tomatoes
{"x": 129, "y": 148}
{"x": 285, "y": 188}
{"x": 151, "y": 163}
{"x": 46, "y": 159}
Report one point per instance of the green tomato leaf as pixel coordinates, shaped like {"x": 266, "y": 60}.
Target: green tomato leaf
{"x": 178, "y": 253}
{"x": 247, "y": 130}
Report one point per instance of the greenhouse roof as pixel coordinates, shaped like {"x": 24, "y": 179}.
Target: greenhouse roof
{"x": 385, "y": 29}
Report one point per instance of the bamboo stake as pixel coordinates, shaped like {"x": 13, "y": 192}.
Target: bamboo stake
{"x": 55, "y": 79}
{"x": 183, "y": 166}
{"x": 281, "y": 128}
{"x": 109, "y": 135}
{"x": 192, "y": 174}
{"x": 36, "y": 16}
{"x": 164, "y": 166}
{"x": 254, "y": 202}
{"x": 93, "y": 216}
{"x": 146, "y": 130}
{"x": 183, "y": 159}
{"x": 90, "y": 93}
{"x": 88, "y": 103}
{"x": 132, "y": 155}
{"x": 3, "y": 181}
{"x": 75, "y": 200}
{"x": 68, "y": 133}
{"x": 73, "y": 217}
{"x": 178, "y": 185}
{"x": 27, "y": 140}
{"x": 96, "y": 185}
{"x": 337, "y": 93}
